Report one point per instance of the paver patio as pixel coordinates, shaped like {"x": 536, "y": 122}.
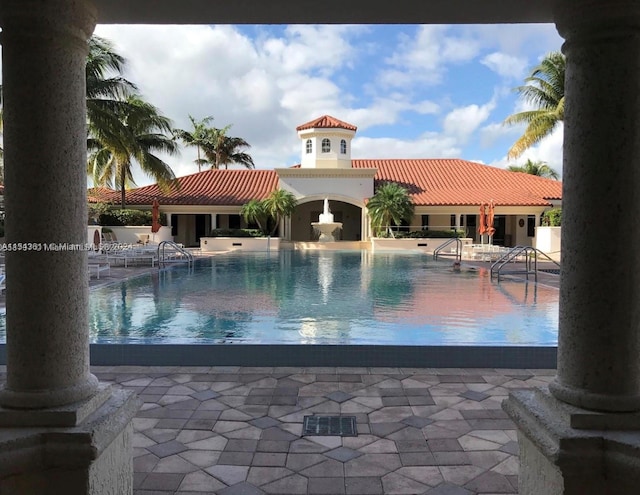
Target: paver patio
{"x": 233, "y": 431}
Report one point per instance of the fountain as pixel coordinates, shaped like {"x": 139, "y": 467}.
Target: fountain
{"x": 325, "y": 224}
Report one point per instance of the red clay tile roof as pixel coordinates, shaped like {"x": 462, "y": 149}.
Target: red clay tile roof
{"x": 448, "y": 182}
{"x": 431, "y": 182}
{"x": 326, "y": 122}
{"x": 211, "y": 187}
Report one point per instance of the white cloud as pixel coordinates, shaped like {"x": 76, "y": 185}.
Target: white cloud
{"x": 464, "y": 121}
{"x": 432, "y": 145}
{"x": 423, "y": 59}
{"x": 507, "y": 66}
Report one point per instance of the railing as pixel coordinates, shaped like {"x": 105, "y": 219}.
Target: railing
{"x": 171, "y": 252}
{"x": 529, "y": 255}
{"x": 455, "y": 253}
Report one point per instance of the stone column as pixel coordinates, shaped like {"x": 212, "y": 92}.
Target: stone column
{"x": 580, "y": 436}
{"x": 60, "y": 430}
{"x": 44, "y": 51}
{"x": 599, "y": 341}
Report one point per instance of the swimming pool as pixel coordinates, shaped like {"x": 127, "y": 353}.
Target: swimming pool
{"x": 323, "y": 298}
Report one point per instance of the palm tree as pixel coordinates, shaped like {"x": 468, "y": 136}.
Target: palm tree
{"x": 105, "y": 95}
{"x": 280, "y": 204}
{"x": 141, "y": 132}
{"x": 255, "y": 211}
{"x": 213, "y": 144}
{"x": 229, "y": 152}
{"x": 544, "y": 89}
{"x": 390, "y": 203}
{"x": 539, "y": 168}
{"x": 198, "y": 137}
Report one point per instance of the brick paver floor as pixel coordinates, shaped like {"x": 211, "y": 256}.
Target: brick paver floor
{"x": 238, "y": 431}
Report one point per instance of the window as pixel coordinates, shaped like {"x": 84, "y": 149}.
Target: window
{"x": 531, "y": 226}
{"x": 326, "y": 145}
{"x": 343, "y": 147}
{"x": 452, "y": 221}
{"x": 309, "y": 146}
{"x": 425, "y": 222}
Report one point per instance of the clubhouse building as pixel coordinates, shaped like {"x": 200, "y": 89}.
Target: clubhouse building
{"x": 447, "y": 193}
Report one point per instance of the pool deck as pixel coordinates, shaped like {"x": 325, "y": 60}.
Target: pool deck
{"x": 238, "y": 430}
{"x": 231, "y": 430}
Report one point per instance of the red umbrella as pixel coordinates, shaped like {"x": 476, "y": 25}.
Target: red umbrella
{"x": 155, "y": 216}
{"x": 490, "y": 229}
{"x": 482, "y": 228}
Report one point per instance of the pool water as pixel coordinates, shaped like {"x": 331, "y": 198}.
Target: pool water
{"x": 324, "y": 297}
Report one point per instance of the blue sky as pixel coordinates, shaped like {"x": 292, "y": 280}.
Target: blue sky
{"x": 413, "y": 91}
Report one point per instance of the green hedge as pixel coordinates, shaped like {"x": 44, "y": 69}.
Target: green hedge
{"x": 552, "y": 218}
{"x": 425, "y": 234}
{"x": 129, "y": 218}
{"x": 236, "y": 233}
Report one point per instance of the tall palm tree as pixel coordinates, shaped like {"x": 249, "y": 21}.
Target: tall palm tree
{"x": 544, "y": 89}
{"x": 198, "y": 137}
{"x": 390, "y": 204}
{"x": 539, "y": 168}
{"x": 213, "y": 145}
{"x": 142, "y": 131}
{"x": 280, "y": 204}
{"x": 106, "y": 93}
{"x": 229, "y": 153}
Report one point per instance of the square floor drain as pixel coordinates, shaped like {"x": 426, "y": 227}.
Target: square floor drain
{"x": 344, "y": 426}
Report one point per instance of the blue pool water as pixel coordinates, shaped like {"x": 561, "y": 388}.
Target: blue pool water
{"x": 324, "y": 297}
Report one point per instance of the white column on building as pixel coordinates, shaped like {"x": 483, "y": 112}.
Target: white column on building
{"x": 580, "y": 436}
{"x": 44, "y": 52}
{"x": 214, "y": 224}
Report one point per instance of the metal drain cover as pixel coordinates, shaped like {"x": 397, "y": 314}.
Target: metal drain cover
{"x": 344, "y": 426}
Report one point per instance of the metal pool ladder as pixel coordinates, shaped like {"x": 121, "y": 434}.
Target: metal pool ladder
{"x": 170, "y": 252}
{"x": 526, "y": 254}
{"x": 453, "y": 253}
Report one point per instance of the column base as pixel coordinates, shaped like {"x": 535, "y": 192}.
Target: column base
{"x": 93, "y": 457}
{"x": 565, "y": 450}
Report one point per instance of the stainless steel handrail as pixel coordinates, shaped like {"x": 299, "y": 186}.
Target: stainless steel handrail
{"x": 163, "y": 260}
{"x": 531, "y": 256}
{"x": 457, "y": 254}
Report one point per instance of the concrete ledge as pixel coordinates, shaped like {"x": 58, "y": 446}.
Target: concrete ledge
{"x": 320, "y": 355}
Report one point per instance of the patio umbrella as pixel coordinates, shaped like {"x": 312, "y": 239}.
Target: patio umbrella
{"x": 155, "y": 216}
{"x": 490, "y": 215}
{"x": 482, "y": 228}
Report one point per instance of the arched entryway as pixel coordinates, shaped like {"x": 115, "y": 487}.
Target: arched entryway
{"x": 349, "y": 215}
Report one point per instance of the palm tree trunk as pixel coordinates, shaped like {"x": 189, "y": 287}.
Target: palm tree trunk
{"x": 122, "y": 193}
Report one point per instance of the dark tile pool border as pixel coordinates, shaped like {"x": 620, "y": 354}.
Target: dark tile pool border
{"x": 320, "y": 355}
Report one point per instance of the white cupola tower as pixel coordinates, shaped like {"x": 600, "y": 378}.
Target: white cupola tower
{"x": 326, "y": 143}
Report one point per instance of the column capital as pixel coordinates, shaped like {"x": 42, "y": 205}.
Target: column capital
{"x": 595, "y": 18}
{"x": 38, "y": 19}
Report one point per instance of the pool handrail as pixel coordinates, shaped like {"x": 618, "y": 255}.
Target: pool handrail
{"x": 163, "y": 259}
{"x": 457, "y": 254}
{"x": 531, "y": 256}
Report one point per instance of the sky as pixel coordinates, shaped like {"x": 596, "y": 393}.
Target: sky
{"x": 413, "y": 91}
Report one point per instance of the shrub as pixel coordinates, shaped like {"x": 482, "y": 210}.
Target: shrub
{"x": 552, "y": 218}
{"x": 128, "y": 217}
{"x": 236, "y": 233}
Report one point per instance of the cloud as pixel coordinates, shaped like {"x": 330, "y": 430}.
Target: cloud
{"x": 423, "y": 59}
{"x": 431, "y": 145}
{"x": 464, "y": 121}
{"x": 506, "y": 66}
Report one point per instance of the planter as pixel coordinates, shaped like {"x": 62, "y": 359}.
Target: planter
{"x": 548, "y": 241}
{"x": 130, "y": 234}
{"x": 428, "y": 245}
{"x": 213, "y": 244}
